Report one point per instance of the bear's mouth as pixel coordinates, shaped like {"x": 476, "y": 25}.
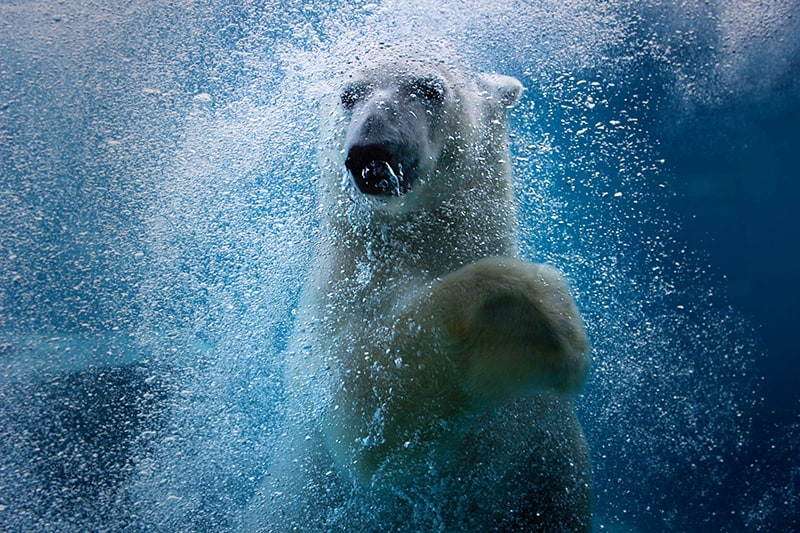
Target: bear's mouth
{"x": 378, "y": 170}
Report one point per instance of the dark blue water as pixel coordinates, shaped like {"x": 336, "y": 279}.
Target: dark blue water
{"x": 158, "y": 213}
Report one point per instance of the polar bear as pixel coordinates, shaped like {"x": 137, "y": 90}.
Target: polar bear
{"x": 432, "y": 372}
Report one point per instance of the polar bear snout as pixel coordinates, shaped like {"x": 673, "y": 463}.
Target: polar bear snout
{"x": 381, "y": 169}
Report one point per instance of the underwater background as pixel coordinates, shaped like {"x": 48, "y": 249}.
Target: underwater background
{"x": 157, "y": 219}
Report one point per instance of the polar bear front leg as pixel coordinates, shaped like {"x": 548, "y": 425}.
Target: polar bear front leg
{"x": 515, "y": 325}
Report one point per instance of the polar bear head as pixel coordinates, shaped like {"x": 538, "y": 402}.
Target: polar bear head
{"x": 408, "y": 133}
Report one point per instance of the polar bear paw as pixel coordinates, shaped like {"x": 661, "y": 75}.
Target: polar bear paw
{"x": 517, "y": 325}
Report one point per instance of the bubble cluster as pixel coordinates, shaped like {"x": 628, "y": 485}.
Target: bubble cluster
{"x": 158, "y": 217}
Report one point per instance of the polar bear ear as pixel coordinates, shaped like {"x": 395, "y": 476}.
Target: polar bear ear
{"x": 505, "y": 89}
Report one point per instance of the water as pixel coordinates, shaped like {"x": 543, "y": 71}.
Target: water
{"x": 157, "y": 219}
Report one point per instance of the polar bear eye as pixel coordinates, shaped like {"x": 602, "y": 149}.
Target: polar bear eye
{"x": 353, "y": 94}
{"x": 429, "y": 89}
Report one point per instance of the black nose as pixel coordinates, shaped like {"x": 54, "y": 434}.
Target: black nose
{"x": 378, "y": 169}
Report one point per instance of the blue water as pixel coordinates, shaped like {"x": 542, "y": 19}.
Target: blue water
{"x": 157, "y": 218}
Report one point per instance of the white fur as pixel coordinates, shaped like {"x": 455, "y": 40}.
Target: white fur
{"x": 431, "y": 370}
